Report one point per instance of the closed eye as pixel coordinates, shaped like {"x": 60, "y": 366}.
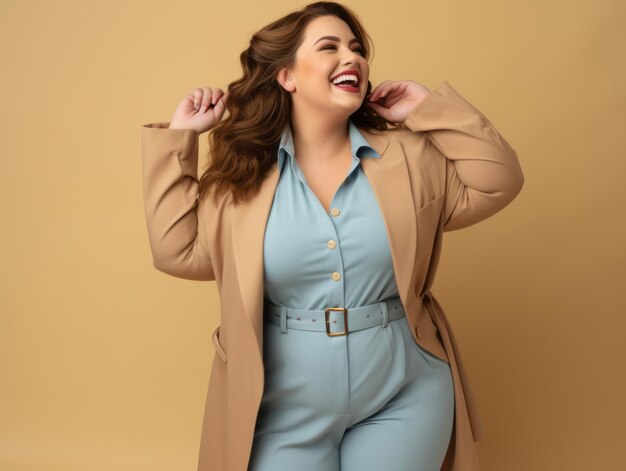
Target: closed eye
{"x": 359, "y": 49}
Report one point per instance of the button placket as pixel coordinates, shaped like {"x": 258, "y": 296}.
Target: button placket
{"x": 336, "y": 296}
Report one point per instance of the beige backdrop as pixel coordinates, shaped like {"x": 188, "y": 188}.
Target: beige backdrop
{"x": 104, "y": 361}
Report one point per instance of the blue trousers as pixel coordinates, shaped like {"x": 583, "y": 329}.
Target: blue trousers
{"x": 370, "y": 400}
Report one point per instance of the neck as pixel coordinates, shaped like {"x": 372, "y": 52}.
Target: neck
{"x": 319, "y": 140}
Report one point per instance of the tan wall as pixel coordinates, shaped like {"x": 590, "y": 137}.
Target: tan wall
{"x": 104, "y": 361}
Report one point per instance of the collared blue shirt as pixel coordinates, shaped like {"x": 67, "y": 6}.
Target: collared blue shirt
{"x": 314, "y": 259}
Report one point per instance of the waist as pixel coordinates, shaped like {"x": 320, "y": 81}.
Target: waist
{"x": 334, "y": 320}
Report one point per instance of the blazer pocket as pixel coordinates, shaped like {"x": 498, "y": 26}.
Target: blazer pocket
{"x": 428, "y": 240}
{"x": 433, "y": 205}
{"x": 218, "y": 345}
{"x": 427, "y": 218}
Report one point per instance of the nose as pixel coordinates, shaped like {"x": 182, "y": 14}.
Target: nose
{"x": 350, "y": 56}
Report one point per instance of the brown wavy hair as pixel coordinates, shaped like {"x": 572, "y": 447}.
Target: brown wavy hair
{"x": 243, "y": 146}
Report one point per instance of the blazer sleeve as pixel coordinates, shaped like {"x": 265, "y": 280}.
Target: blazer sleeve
{"x": 483, "y": 173}
{"x": 176, "y": 228}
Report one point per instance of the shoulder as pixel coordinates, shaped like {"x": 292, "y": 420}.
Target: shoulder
{"x": 413, "y": 145}
{"x": 398, "y": 133}
{"x": 425, "y": 164}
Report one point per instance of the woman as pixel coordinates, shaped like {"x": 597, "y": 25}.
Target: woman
{"x": 322, "y": 227}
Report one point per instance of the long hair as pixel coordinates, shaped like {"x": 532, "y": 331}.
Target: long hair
{"x": 243, "y": 146}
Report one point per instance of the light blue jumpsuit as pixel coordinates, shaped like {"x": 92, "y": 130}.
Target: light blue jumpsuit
{"x": 369, "y": 400}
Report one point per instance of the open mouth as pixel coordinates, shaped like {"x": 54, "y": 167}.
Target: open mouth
{"x": 347, "y": 84}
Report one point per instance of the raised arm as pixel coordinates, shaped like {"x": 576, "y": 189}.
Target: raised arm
{"x": 178, "y": 238}
{"x": 483, "y": 173}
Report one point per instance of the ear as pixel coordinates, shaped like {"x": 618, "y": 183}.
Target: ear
{"x": 285, "y": 79}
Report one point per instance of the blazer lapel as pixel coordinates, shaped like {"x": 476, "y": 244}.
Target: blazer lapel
{"x": 389, "y": 179}
{"x": 248, "y": 223}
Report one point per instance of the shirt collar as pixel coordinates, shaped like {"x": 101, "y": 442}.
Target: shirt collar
{"x": 360, "y": 146}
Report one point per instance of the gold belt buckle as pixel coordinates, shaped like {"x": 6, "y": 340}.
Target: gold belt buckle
{"x": 345, "y": 321}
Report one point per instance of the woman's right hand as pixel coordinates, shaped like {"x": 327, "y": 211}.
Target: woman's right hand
{"x": 201, "y": 109}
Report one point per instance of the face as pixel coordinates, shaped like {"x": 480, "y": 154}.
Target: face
{"x": 318, "y": 61}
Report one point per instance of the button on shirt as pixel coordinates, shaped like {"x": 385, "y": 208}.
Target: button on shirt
{"x": 315, "y": 259}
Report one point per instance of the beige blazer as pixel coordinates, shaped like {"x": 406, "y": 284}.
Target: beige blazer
{"x": 449, "y": 168}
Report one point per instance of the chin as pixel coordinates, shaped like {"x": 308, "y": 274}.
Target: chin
{"x": 346, "y": 110}
{"x": 347, "y": 104}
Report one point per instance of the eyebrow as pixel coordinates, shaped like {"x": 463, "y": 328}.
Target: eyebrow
{"x": 335, "y": 38}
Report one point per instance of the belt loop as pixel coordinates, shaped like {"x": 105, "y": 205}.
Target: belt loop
{"x": 283, "y": 320}
{"x": 383, "y": 306}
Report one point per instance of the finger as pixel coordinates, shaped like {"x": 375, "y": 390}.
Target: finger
{"x": 211, "y": 99}
{"x": 379, "y": 94}
{"x": 376, "y": 93}
{"x": 217, "y": 94}
{"x": 219, "y": 108}
{"x": 377, "y": 108}
{"x": 395, "y": 96}
{"x": 206, "y": 99}
{"x": 380, "y": 97}
{"x": 390, "y": 88}
{"x": 198, "y": 95}
{"x": 190, "y": 98}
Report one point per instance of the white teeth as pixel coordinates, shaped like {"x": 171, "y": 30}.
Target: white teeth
{"x": 346, "y": 77}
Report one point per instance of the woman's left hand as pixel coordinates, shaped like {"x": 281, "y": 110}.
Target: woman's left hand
{"x": 395, "y": 99}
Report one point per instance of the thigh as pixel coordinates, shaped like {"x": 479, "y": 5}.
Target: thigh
{"x": 297, "y": 426}
{"x": 413, "y": 430}
{"x": 294, "y": 450}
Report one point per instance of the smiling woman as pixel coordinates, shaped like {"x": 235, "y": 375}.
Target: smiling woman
{"x": 323, "y": 234}
{"x": 317, "y": 109}
{"x": 348, "y": 79}
{"x": 287, "y": 73}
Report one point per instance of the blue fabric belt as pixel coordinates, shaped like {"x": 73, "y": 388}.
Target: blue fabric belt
{"x": 333, "y": 320}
